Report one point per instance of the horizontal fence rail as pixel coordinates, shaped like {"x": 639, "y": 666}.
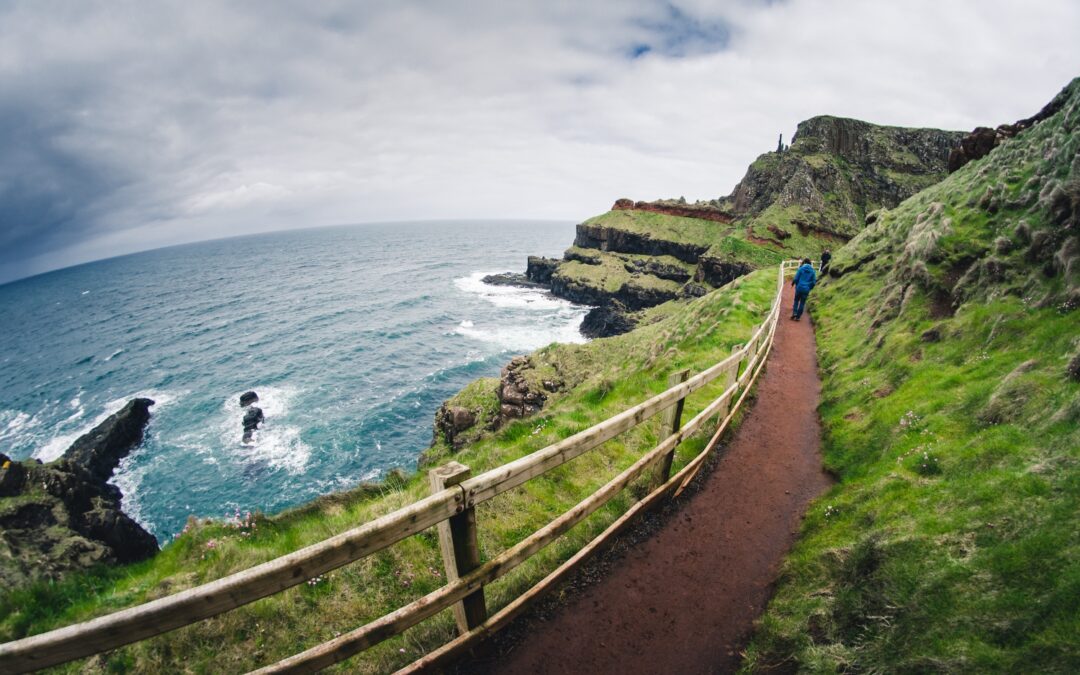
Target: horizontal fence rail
{"x": 451, "y": 507}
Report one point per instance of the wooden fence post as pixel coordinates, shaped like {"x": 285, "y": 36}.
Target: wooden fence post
{"x": 730, "y": 376}
{"x": 670, "y": 424}
{"x": 460, "y": 551}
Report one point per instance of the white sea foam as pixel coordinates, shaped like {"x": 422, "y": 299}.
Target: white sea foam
{"x": 512, "y": 297}
{"x": 277, "y": 444}
{"x": 112, "y": 356}
{"x": 541, "y": 319}
{"x": 527, "y": 337}
{"x": 13, "y": 421}
{"x": 129, "y": 478}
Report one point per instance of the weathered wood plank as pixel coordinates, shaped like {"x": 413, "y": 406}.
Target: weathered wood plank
{"x": 440, "y": 478}
{"x": 349, "y": 644}
{"x": 160, "y": 616}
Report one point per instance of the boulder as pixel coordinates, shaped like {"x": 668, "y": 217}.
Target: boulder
{"x": 517, "y": 397}
{"x": 247, "y": 398}
{"x": 451, "y": 421}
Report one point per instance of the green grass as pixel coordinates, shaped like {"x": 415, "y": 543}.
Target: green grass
{"x": 950, "y": 542}
{"x": 663, "y": 226}
{"x": 602, "y": 378}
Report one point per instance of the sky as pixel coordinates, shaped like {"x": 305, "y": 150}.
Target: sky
{"x": 126, "y": 126}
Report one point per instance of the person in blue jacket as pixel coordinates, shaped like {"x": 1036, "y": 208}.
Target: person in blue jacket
{"x": 804, "y": 281}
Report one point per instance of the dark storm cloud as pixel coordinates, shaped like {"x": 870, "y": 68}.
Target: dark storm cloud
{"x": 128, "y": 125}
{"x": 47, "y": 191}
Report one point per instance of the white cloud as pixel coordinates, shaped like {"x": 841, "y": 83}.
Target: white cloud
{"x": 161, "y": 123}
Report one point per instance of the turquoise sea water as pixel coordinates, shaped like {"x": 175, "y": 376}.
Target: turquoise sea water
{"x": 352, "y": 337}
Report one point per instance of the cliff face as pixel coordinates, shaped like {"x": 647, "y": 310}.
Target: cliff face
{"x": 837, "y": 170}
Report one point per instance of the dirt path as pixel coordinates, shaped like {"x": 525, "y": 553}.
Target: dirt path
{"x": 683, "y": 600}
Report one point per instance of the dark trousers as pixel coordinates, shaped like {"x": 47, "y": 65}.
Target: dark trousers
{"x": 800, "y": 303}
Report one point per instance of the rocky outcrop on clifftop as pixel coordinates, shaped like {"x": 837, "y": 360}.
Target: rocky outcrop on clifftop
{"x": 982, "y": 140}
{"x": 676, "y": 208}
{"x": 64, "y": 515}
{"x": 837, "y": 170}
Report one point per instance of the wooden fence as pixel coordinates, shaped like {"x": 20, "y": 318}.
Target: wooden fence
{"x": 452, "y": 508}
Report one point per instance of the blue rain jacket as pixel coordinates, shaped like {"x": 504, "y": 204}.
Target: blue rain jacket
{"x": 804, "y": 278}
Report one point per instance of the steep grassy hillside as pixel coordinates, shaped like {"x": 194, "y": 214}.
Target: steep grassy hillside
{"x": 597, "y": 380}
{"x": 950, "y": 357}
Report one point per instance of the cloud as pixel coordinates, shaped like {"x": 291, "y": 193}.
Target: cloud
{"x": 126, "y": 126}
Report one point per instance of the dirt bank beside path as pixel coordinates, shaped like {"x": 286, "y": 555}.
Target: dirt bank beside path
{"x": 683, "y": 599}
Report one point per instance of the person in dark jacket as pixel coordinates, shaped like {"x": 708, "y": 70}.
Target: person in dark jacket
{"x": 803, "y": 282}
{"x": 826, "y": 256}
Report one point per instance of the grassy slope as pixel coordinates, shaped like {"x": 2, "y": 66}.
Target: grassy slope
{"x": 951, "y": 541}
{"x": 609, "y": 375}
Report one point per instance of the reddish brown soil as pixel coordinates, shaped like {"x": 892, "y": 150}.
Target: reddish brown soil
{"x": 683, "y": 599}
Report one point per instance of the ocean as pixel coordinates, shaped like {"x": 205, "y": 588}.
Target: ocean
{"x": 352, "y": 337}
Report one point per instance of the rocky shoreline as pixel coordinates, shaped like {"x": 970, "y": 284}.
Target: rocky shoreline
{"x": 64, "y": 515}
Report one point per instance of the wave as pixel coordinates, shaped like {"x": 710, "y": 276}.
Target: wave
{"x": 510, "y": 297}
{"x": 525, "y": 337}
{"x": 112, "y": 356}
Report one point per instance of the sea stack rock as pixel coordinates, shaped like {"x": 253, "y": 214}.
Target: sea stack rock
{"x": 253, "y": 417}
{"x": 64, "y": 515}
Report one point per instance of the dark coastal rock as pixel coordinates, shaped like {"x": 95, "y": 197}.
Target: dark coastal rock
{"x": 630, "y": 295}
{"x": 101, "y": 450}
{"x": 515, "y": 279}
{"x": 63, "y": 516}
{"x": 657, "y": 269}
{"x": 247, "y": 398}
{"x": 693, "y": 290}
{"x": 539, "y": 269}
{"x": 252, "y": 419}
{"x": 607, "y": 320}
{"x": 622, "y": 241}
{"x": 717, "y": 271}
{"x": 583, "y": 256}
